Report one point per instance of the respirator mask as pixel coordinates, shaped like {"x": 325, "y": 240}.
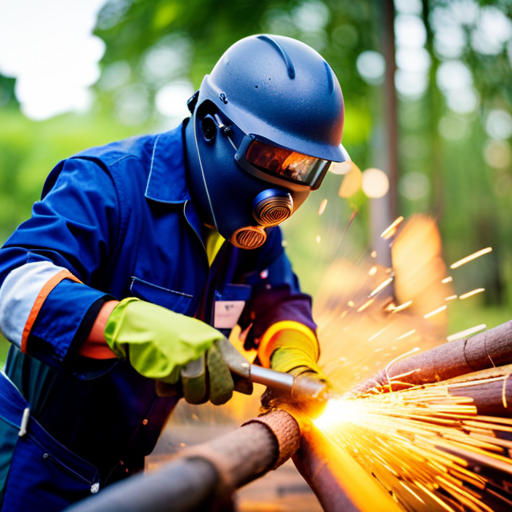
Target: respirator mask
{"x": 266, "y": 125}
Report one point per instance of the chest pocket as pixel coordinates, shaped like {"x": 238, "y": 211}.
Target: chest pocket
{"x": 176, "y": 301}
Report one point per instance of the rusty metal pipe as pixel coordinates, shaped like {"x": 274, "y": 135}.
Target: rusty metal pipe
{"x": 338, "y": 481}
{"x": 492, "y": 398}
{"x": 459, "y": 357}
{"x": 204, "y": 477}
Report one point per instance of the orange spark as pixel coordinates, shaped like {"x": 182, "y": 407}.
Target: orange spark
{"x": 318, "y": 238}
{"x": 403, "y": 306}
{"x": 323, "y": 204}
{"x": 448, "y": 279}
{"x": 406, "y": 334}
{"x": 451, "y": 297}
{"x": 467, "y": 332}
{"x": 471, "y": 293}
{"x": 372, "y": 271}
{"x": 373, "y": 254}
{"x": 381, "y": 286}
{"x": 365, "y": 305}
{"x": 471, "y": 257}
{"x": 391, "y": 230}
{"x": 377, "y": 334}
{"x": 435, "y": 312}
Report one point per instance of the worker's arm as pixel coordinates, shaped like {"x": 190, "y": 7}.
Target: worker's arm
{"x": 96, "y": 347}
{"x": 167, "y": 347}
{"x": 278, "y": 316}
{"x": 289, "y": 347}
{"x": 49, "y": 266}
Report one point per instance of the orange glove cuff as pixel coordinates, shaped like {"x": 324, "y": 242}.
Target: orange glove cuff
{"x": 275, "y": 337}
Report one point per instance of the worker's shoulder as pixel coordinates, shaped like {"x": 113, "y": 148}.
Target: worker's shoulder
{"x": 114, "y": 152}
{"x": 140, "y": 147}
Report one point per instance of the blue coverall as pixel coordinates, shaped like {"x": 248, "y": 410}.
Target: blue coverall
{"x": 113, "y": 222}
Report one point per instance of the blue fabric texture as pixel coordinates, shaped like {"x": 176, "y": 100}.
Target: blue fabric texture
{"x": 121, "y": 219}
{"x": 40, "y": 473}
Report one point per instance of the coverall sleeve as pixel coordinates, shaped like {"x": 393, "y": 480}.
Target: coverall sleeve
{"x": 52, "y": 266}
{"x": 276, "y": 298}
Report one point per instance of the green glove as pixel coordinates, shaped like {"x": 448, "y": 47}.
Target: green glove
{"x": 165, "y": 346}
{"x": 295, "y": 353}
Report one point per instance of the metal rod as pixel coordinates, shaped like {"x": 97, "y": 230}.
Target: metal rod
{"x": 204, "y": 477}
{"x": 276, "y": 380}
{"x": 459, "y": 357}
{"x": 338, "y": 481}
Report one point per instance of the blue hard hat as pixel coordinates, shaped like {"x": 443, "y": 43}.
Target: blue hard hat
{"x": 266, "y": 123}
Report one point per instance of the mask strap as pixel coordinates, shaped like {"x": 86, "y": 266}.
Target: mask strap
{"x": 225, "y": 130}
{"x": 204, "y": 178}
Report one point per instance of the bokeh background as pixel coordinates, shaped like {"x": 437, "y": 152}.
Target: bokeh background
{"x": 428, "y": 92}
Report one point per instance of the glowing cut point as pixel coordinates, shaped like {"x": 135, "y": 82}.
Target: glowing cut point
{"x": 392, "y": 229}
{"x": 351, "y": 303}
{"x": 471, "y": 257}
{"x": 372, "y": 271}
{"x": 337, "y": 411}
{"x": 323, "y": 205}
{"x": 471, "y": 293}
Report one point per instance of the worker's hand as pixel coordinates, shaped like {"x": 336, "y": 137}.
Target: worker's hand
{"x": 293, "y": 351}
{"x": 167, "y": 346}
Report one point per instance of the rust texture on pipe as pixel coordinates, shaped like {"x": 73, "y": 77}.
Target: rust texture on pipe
{"x": 225, "y": 463}
{"x": 286, "y": 432}
{"x": 459, "y": 357}
{"x": 490, "y": 398}
{"x": 337, "y": 480}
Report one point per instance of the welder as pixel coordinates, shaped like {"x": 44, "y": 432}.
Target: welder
{"x": 119, "y": 292}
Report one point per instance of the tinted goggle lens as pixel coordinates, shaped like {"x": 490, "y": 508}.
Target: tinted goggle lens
{"x": 285, "y": 163}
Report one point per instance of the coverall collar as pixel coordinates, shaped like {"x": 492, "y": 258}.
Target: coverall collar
{"x": 166, "y": 184}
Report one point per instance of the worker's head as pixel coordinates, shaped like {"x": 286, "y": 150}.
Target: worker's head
{"x": 266, "y": 124}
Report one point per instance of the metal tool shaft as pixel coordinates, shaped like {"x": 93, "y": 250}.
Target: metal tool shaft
{"x": 308, "y": 393}
{"x": 276, "y": 380}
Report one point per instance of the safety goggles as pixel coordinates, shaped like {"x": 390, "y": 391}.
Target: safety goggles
{"x": 278, "y": 164}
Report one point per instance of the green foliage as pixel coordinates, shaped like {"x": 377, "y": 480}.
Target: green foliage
{"x": 29, "y": 150}
{"x": 151, "y": 44}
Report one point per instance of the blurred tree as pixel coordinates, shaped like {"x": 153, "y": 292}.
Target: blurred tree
{"x": 7, "y": 97}
{"x": 454, "y": 109}
{"x": 170, "y": 40}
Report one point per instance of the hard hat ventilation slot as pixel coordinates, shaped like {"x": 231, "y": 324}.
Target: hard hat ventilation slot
{"x": 289, "y": 64}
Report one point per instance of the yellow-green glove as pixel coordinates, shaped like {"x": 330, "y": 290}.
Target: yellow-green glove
{"x": 165, "y": 346}
{"x": 290, "y": 347}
